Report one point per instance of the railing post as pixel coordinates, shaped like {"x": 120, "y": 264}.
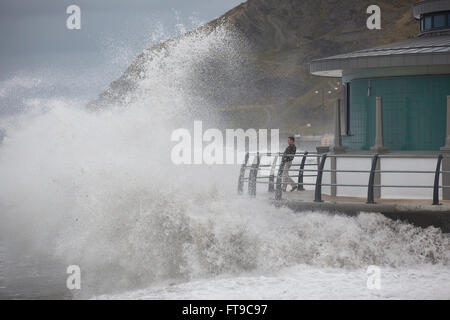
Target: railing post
{"x": 436, "y": 181}
{"x": 370, "y": 190}
{"x": 253, "y": 176}
{"x": 279, "y": 190}
{"x": 272, "y": 175}
{"x": 318, "y": 194}
{"x": 242, "y": 175}
{"x": 301, "y": 172}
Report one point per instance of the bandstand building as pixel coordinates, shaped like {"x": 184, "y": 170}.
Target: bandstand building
{"x": 397, "y": 102}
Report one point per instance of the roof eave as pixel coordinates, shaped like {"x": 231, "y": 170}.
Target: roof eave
{"x": 336, "y": 67}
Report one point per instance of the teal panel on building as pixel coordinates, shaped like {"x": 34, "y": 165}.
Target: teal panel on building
{"x": 414, "y": 112}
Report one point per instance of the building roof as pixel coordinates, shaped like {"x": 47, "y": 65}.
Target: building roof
{"x": 428, "y": 6}
{"x": 421, "y": 51}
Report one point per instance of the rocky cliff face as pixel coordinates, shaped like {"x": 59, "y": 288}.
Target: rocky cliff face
{"x": 276, "y": 41}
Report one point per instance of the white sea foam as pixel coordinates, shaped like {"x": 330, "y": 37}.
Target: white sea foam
{"x": 305, "y": 282}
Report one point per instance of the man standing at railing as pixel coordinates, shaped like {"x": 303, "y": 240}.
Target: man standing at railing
{"x": 288, "y": 157}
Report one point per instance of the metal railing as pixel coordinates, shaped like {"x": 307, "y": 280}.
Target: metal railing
{"x": 275, "y": 182}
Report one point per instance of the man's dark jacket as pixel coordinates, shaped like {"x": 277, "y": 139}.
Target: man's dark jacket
{"x": 289, "y": 153}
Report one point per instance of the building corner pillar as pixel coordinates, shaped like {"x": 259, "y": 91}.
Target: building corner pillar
{"x": 337, "y": 145}
{"x": 379, "y": 138}
{"x": 446, "y": 161}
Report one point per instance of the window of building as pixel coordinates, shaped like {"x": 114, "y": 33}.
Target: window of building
{"x": 428, "y": 23}
{"x": 439, "y": 21}
{"x": 433, "y": 21}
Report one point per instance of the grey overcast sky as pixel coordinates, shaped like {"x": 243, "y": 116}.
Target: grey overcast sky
{"x": 33, "y": 33}
{"x": 41, "y": 59}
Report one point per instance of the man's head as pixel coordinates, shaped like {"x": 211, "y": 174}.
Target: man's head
{"x": 291, "y": 140}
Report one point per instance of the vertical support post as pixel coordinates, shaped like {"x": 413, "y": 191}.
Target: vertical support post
{"x": 272, "y": 175}
{"x": 333, "y": 175}
{"x": 279, "y": 190}
{"x": 370, "y": 189}
{"x": 253, "y": 176}
{"x": 337, "y": 147}
{"x": 379, "y": 138}
{"x": 436, "y": 181}
{"x": 318, "y": 193}
{"x": 302, "y": 171}
{"x": 377, "y": 190}
{"x": 242, "y": 175}
{"x": 446, "y": 161}
{"x": 447, "y": 138}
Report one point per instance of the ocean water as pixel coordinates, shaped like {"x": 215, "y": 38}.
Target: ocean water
{"x": 31, "y": 277}
{"x": 97, "y": 189}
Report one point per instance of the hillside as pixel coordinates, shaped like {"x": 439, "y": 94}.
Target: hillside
{"x": 281, "y": 37}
